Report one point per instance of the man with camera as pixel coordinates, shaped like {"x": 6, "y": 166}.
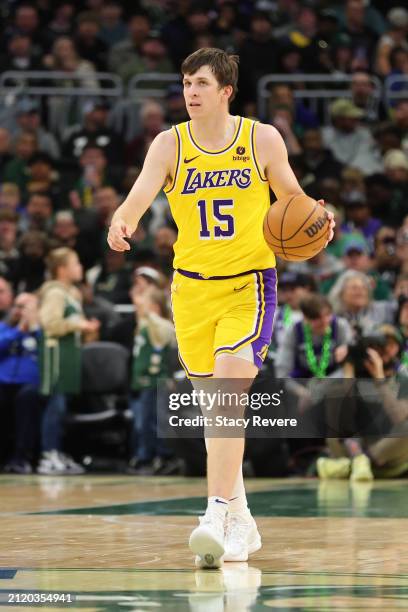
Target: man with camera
{"x": 377, "y": 444}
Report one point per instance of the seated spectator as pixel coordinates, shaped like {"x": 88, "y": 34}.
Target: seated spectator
{"x": 33, "y": 247}
{"x": 10, "y": 198}
{"x": 38, "y": 213}
{"x": 292, "y": 288}
{"x": 61, "y": 23}
{"x": 363, "y": 96}
{"x": 43, "y": 177}
{"x": 93, "y": 131}
{"x": 95, "y": 173}
{"x": 359, "y": 217}
{"x": 153, "y": 57}
{"x": 28, "y": 119}
{"x": 66, "y": 233}
{"x": 318, "y": 160}
{"x": 350, "y": 143}
{"x": 396, "y": 170}
{"x": 386, "y": 261}
{"x": 395, "y": 36}
{"x": 5, "y": 148}
{"x": 64, "y": 56}
{"x": 9, "y": 254}
{"x": 151, "y": 124}
{"x": 351, "y": 297}
{"x": 19, "y": 381}
{"x": 97, "y": 307}
{"x": 88, "y": 42}
{"x": 16, "y": 170}
{"x": 304, "y": 118}
{"x": 112, "y": 278}
{"x": 113, "y": 29}
{"x": 62, "y": 321}
{"x": 6, "y": 297}
{"x": 175, "y": 107}
{"x": 153, "y": 340}
{"x": 282, "y": 118}
{"x": 129, "y": 50}
{"x": 313, "y": 346}
{"x": 321, "y": 267}
{"x": 21, "y": 54}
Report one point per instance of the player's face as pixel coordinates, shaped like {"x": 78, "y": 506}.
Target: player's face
{"x": 202, "y": 93}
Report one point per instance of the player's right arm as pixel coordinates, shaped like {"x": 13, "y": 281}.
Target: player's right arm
{"x": 157, "y": 169}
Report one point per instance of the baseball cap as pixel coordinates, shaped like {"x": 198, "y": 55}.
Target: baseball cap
{"x": 295, "y": 279}
{"x": 27, "y": 105}
{"x": 345, "y": 108}
{"x": 395, "y": 158}
{"x": 354, "y": 243}
{"x": 398, "y": 17}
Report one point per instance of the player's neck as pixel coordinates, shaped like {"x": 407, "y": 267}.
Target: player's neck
{"x": 214, "y": 132}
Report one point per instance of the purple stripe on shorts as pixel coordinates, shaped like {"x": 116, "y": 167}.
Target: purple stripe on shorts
{"x": 261, "y": 344}
{"x": 269, "y": 299}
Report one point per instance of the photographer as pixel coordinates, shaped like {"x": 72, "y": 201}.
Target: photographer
{"x": 19, "y": 380}
{"x": 375, "y": 362}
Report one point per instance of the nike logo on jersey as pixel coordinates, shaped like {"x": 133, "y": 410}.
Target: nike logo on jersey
{"x": 241, "y": 288}
{"x": 187, "y": 161}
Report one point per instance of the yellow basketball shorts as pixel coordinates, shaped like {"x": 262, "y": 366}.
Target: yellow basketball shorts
{"x": 222, "y": 315}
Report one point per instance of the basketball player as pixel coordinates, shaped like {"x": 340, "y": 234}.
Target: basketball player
{"x": 216, "y": 171}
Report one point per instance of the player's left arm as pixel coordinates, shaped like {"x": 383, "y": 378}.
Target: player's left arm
{"x": 273, "y": 158}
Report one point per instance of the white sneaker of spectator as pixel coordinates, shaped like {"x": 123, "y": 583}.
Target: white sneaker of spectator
{"x": 54, "y": 462}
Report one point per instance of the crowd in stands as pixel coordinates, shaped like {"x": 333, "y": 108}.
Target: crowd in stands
{"x": 63, "y": 172}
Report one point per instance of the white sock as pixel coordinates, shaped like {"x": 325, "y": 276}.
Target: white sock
{"x": 218, "y": 504}
{"x": 238, "y": 502}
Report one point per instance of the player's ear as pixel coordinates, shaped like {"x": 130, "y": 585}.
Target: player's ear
{"x": 228, "y": 91}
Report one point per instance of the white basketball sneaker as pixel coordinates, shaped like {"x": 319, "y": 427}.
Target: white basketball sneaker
{"x": 241, "y": 537}
{"x": 207, "y": 540}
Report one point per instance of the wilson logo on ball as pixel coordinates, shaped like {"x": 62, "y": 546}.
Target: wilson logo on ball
{"x": 313, "y": 229}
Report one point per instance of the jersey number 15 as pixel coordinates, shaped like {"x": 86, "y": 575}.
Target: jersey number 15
{"x": 226, "y": 230}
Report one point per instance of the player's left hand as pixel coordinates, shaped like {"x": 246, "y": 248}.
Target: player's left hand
{"x": 332, "y": 223}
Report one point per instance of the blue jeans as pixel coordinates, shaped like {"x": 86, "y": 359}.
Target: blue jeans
{"x": 52, "y": 422}
{"x": 145, "y": 445}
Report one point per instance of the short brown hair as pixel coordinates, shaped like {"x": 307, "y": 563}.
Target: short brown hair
{"x": 313, "y": 305}
{"x": 222, "y": 65}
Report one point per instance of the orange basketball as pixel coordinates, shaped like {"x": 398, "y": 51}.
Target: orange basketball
{"x": 296, "y": 227}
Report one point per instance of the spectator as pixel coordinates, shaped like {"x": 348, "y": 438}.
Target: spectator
{"x": 351, "y": 297}
{"x": 97, "y": 307}
{"x": 62, "y": 321}
{"x": 152, "y": 58}
{"x": 322, "y": 267}
{"x": 350, "y": 143}
{"x": 27, "y": 23}
{"x": 396, "y": 170}
{"x": 6, "y": 297}
{"x": 88, "y": 42}
{"x": 93, "y": 163}
{"x": 283, "y": 119}
{"x": 318, "y": 160}
{"x": 113, "y": 29}
{"x": 61, "y": 24}
{"x": 66, "y": 233}
{"x": 38, "y": 214}
{"x": 359, "y": 217}
{"x": 154, "y": 338}
{"x": 33, "y": 247}
{"x": 365, "y": 97}
{"x": 9, "y": 254}
{"x": 94, "y": 131}
{"x": 127, "y": 50}
{"x": 386, "y": 263}
{"x": 10, "y": 198}
{"x": 64, "y": 56}
{"x": 19, "y": 380}
{"x": 175, "y": 107}
{"x": 312, "y": 347}
{"x": 363, "y": 36}
{"x": 16, "y": 170}
{"x": 396, "y": 36}
{"x": 29, "y": 120}
{"x": 20, "y": 54}
{"x": 304, "y": 118}
{"x": 151, "y": 123}
{"x": 5, "y": 147}
{"x": 42, "y": 176}
{"x": 163, "y": 242}
{"x": 112, "y": 278}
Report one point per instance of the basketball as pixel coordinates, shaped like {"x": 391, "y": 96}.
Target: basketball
{"x": 296, "y": 227}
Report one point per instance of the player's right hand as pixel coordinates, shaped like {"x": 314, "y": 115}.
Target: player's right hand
{"x": 118, "y": 231}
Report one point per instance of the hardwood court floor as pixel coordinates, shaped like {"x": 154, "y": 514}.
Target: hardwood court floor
{"x": 120, "y": 543}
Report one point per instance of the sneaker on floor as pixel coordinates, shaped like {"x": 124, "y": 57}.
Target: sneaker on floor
{"x": 50, "y": 464}
{"x": 71, "y": 466}
{"x": 207, "y": 540}
{"x": 18, "y": 466}
{"x": 361, "y": 469}
{"x": 333, "y": 468}
{"x": 241, "y": 537}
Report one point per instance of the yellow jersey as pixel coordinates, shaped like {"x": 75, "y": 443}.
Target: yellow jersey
{"x": 218, "y": 200}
